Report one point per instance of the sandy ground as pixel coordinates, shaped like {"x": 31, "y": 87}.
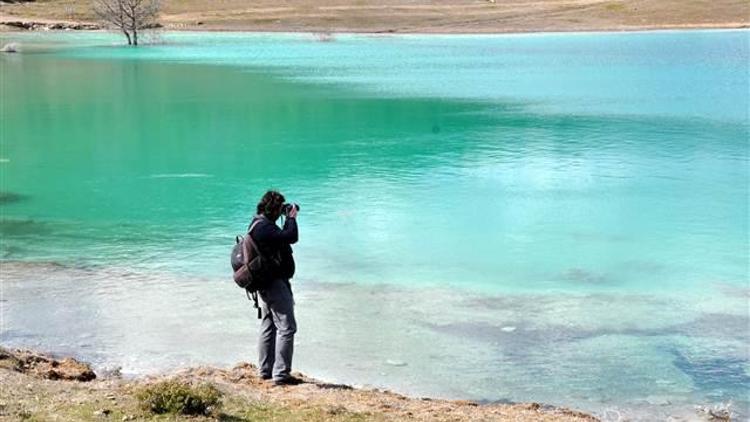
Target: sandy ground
{"x": 37, "y": 387}
{"x": 428, "y": 16}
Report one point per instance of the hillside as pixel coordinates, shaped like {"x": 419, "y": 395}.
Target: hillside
{"x": 431, "y": 16}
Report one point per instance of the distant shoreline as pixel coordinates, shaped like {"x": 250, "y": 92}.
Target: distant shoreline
{"x": 403, "y": 16}
{"x": 54, "y": 26}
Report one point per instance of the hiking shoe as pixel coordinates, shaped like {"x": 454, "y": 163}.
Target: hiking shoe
{"x": 290, "y": 380}
{"x": 265, "y": 377}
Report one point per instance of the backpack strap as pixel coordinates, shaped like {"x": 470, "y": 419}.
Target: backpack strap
{"x": 250, "y": 242}
{"x": 251, "y": 295}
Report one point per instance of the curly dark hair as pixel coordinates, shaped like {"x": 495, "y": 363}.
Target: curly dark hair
{"x": 270, "y": 204}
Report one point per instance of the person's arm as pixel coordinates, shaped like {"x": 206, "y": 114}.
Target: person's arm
{"x": 290, "y": 226}
{"x": 271, "y": 234}
{"x": 289, "y": 233}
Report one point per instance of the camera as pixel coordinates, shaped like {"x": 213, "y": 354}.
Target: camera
{"x": 288, "y": 207}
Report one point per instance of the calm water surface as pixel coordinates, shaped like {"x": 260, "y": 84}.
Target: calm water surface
{"x": 557, "y": 218}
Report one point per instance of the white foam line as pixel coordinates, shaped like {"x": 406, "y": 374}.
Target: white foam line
{"x": 179, "y": 175}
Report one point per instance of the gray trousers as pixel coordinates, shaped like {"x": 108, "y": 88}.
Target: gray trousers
{"x": 277, "y": 329}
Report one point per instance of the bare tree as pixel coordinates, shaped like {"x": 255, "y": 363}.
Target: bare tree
{"x": 128, "y": 16}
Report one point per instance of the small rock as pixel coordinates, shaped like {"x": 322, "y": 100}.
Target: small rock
{"x": 395, "y": 362}
{"x": 113, "y": 372}
{"x": 508, "y": 329}
{"x": 102, "y": 412}
{"x": 10, "y": 48}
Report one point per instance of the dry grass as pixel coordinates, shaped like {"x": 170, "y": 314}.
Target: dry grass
{"x": 417, "y": 16}
{"x": 236, "y": 394}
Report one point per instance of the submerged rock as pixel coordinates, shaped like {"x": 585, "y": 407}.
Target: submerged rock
{"x": 580, "y": 275}
{"x": 658, "y": 400}
{"x": 10, "y": 197}
{"x": 22, "y": 227}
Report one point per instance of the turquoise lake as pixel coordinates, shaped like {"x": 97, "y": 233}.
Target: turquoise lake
{"x": 559, "y": 218}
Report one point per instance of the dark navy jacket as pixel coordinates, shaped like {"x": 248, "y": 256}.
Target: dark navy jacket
{"x": 273, "y": 241}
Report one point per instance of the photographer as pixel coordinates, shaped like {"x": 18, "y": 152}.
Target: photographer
{"x": 278, "y": 326}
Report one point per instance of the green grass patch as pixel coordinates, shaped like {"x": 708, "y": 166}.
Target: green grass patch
{"x": 237, "y": 409}
{"x": 264, "y": 412}
{"x": 179, "y": 398}
{"x": 615, "y": 6}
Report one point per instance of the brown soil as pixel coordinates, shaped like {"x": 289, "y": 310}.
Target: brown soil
{"x": 429, "y": 16}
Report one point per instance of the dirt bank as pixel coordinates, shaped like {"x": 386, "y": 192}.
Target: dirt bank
{"x": 29, "y": 392}
{"x": 408, "y": 16}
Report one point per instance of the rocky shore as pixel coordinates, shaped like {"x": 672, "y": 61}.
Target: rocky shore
{"x": 40, "y": 387}
{"x": 49, "y": 26}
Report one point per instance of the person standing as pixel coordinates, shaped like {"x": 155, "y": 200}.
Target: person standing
{"x": 278, "y": 325}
